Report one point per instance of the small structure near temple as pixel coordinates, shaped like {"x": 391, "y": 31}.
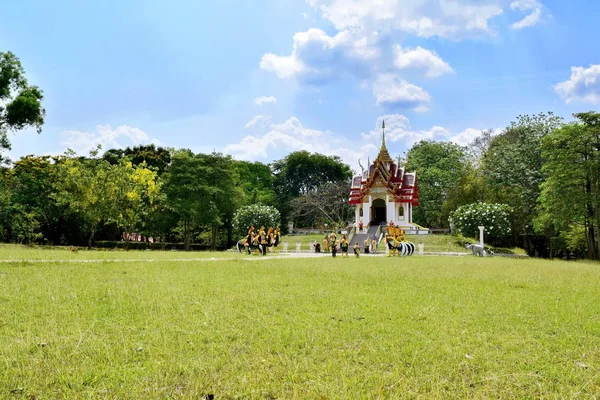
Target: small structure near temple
{"x": 385, "y": 193}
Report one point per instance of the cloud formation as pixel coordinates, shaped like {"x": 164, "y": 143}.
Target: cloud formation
{"x": 278, "y": 139}
{"x": 391, "y": 91}
{"x": 259, "y": 101}
{"x": 108, "y": 138}
{"x": 533, "y": 7}
{"x": 583, "y": 86}
{"x": 420, "y": 58}
{"x": 318, "y": 58}
{"x": 425, "y": 18}
{"x": 261, "y": 120}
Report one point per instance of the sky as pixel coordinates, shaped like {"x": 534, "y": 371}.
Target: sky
{"x": 259, "y": 79}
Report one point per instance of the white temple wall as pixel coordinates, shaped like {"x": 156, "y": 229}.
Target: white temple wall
{"x": 390, "y": 212}
{"x": 367, "y": 211}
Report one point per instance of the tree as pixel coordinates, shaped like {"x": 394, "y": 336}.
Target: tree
{"x": 256, "y": 181}
{"x": 512, "y": 167}
{"x": 494, "y": 217}
{"x": 441, "y": 167}
{"x": 302, "y": 172}
{"x": 200, "y": 189}
{"x": 222, "y": 177}
{"x": 154, "y": 158}
{"x": 256, "y": 215}
{"x": 139, "y": 190}
{"x": 20, "y": 103}
{"x": 34, "y": 184}
{"x": 328, "y": 204}
{"x": 103, "y": 193}
{"x": 570, "y": 194}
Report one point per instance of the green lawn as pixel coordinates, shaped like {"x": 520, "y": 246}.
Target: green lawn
{"x": 428, "y": 327}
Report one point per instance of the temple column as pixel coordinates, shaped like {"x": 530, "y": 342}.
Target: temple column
{"x": 367, "y": 212}
{"x": 357, "y": 214}
{"x": 390, "y": 211}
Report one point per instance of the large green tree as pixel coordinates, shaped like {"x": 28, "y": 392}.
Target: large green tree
{"x": 301, "y": 173}
{"x": 200, "y": 190}
{"x": 155, "y": 158}
{"x": 441, "y": 168}
{"x": 102, "y": 193}
{"x": 257, "y": 183}
{"x": 512, "y": 167}
{"x": 570, "y": 197}
{"x": 20, "y": 103}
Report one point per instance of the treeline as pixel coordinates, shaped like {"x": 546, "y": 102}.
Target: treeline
{"x": 152, "y": 193}
{"x": 546, "y": 170}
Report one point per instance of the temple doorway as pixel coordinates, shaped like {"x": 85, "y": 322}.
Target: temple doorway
{"x": 378, "y": 211}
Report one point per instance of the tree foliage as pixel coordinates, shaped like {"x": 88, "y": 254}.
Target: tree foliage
{"x": 103, "y": 193}
{"x": 201, "y": 191}
{"x": 570, "y": 197}
{"x": 512, "y": 166}
{"x": 20, "y": 103}
{"x": 256, "y": 215}
{"x": 440, "y": 167}
{"x": 495, "y": 218}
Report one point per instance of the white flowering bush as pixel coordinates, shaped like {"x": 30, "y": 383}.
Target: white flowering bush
{"x": 257, "y": 215}
{"x": 494, "y": 217}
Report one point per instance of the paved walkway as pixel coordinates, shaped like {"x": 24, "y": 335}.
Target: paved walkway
{"x": 278, "y": 256}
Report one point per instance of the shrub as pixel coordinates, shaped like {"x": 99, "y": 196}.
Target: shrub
{"x": 257, "y": 215}
{"x": 494, "y": 217}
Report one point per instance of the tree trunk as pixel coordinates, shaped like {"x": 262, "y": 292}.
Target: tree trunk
{"x": 186, "y": 236}
{"x": 592, "y": 245}
{"x": 215, "y": 230}
{"x": 91, "y": 238}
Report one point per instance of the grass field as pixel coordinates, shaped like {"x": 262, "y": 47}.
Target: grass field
{"x": 429, "y": 327}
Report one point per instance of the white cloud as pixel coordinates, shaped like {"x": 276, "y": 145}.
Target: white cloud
{"x": 530, "y": 20}
{"x": 466, "y": 136}
{"x": 533, "y": 18}
{"x": 525, "y": 5}
{"x": 279, "y": 139}
{"x": 261, "y": 120}
{"x": 426, "y": 18}
{"x": 398, "y": 130}
{"x": 421, "y": 58}
{"x": 259, "y": 101}
{"x": 583, "y": 86}
{"x": 122, "y": 136}
{"x": 317, "y": 57}
{"x": 290, "y": 136}
{"x": 393, "y": 91}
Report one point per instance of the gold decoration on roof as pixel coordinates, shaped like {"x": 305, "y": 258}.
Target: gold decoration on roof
{"x": 384, "y": 155}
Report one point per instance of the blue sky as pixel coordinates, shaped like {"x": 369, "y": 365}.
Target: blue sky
{"x": 258, "y": 79}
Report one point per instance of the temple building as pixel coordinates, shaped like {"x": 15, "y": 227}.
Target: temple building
{"x": 385, "y": 193}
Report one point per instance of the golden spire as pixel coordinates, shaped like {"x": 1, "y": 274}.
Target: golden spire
{"x": 384, "y": 155}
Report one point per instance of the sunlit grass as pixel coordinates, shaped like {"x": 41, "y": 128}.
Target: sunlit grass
{"x": 429, "y": 327}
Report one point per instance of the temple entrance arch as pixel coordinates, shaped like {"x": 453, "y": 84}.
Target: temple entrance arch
{"x": 378, "y": 212}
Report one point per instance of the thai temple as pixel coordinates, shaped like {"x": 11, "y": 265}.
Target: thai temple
{"x": 385, "y": 193}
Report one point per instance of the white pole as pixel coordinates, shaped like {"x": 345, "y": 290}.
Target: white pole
{"x": 481, "y": 235}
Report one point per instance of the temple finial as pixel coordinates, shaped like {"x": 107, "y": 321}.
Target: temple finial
{"x": 383, "y": 136}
